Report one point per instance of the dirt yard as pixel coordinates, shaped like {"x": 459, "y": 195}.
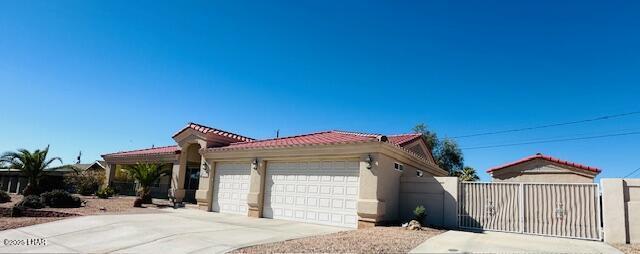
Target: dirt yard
{"x": 93, "y": 206}
{"x": 628, "y": 248}
{"x": 370, "y": 240}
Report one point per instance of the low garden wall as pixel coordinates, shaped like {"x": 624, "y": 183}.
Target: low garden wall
{"x": 439, "y": 195}
{"x": 621, "y": 210}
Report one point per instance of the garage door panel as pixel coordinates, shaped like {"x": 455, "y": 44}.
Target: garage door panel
{"x": 316, "y": 192}
{"x": 231, "y": 186}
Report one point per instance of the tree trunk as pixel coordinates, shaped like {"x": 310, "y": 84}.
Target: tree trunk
{"x": 145, "y": 195}
{"x": 32, "y": 188}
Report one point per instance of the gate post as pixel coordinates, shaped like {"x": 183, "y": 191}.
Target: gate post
{"x": 521, "y": 206}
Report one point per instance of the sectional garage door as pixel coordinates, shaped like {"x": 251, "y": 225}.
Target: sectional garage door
{"x": 231, "y": 186}
{"x": 315, "y": 192}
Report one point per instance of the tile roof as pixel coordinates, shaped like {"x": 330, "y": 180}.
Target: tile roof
{"x": 208, "y": 130}
{"x": 403, "y": 139}
{"x": 548, "y": 158}
{"x": 323, "y": 137}
{"x": 147, "y": 151}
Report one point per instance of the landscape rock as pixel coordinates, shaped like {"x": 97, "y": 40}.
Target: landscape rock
{"x": 414, "y": 225}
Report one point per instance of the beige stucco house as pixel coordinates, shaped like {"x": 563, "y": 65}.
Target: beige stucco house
{"x": 541, "y": 168}
{"x": 333, "y": 177}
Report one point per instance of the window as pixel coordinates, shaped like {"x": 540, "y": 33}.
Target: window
{"x": 398, "y": 166}
{"x": 419, "y": 173}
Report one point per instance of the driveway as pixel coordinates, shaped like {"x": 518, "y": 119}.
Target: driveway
{"x": 497, "y": 242}
{"x": 177, "y": 231}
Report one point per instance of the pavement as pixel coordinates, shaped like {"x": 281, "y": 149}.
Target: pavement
{"x": 498, "y": 242}
{"x": 177, "y": 231}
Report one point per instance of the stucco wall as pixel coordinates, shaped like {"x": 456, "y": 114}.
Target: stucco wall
{"x": 438, "y": 195}
{"x": 388, "y": 186}
{"x": 621, "y": 210}
{"x": 541, "y": 171}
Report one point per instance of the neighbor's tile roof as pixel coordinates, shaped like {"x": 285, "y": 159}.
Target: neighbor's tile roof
{"x": 403, "y": 139}
{"x": 147, "y": 151}
{"x": 207, "y": 130}
{"x": 548, "y": 158}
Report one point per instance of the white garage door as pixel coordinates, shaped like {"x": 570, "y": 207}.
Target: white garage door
{"x": 314, "y": 192}
{"x": 231, "y": 186}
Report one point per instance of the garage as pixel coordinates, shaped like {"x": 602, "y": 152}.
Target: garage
{"x": 321, "y": 192}
{"x": 231, "y": 186}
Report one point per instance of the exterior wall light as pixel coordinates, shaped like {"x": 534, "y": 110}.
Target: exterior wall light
{"x": 254, "y": 164}
{"x": 368, "y": 160}
{"x": 205, "y": 169}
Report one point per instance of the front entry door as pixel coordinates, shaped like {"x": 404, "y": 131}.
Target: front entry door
{"x": 191, "y": 182}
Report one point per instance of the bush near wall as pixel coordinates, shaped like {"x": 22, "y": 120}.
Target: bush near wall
{"x": 85, "y": 183}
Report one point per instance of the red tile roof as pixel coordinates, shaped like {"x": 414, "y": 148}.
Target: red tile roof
{"x": 403, "y": 139}
{"x": 147, "y": 151}
{"x": 208, "y": 130}
{"x": 548, "y": 158}
{"x": 325, "y": 137}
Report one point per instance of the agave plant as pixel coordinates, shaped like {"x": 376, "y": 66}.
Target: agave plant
{"x": 33, "y": 166}
{"x": 146, "y": 175}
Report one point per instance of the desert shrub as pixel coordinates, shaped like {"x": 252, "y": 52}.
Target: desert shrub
{"x": 138, "y": 202}
{"x": 85, "y": 182}
{"x": 419, "y": 213}
{"x": 105, "y": 192}
{"x": 4, "y": 197}
{"x": 60, "y": 199}
{"x": 31, "y": 201}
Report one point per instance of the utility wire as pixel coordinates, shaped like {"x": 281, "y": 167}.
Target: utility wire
{"x": 552, "y": 140}
{"x": 632, "y": 172}
{"x": 606, "y": 117}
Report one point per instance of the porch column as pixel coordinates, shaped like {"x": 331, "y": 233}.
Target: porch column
{"x": 255, "y": 198}
{"x": 177, "y": 177}
{"x": 109, "y": 174}
{"x": 205, "y": 185}
{"x": 370, "y": 209}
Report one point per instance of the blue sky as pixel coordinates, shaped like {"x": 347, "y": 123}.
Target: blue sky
{"x": 104, "y": 76}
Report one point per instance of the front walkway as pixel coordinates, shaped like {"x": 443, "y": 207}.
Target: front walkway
{"x": 498, "y": 242}
{"x": 179, "y": 231}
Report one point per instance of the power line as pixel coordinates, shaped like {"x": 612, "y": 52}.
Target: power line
{"x": 606, "y": 117}
{"x": 633, "y": 172}
{"x": 553, "y": 140}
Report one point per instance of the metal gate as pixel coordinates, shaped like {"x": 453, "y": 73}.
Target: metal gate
{"x": 551, "y": 209}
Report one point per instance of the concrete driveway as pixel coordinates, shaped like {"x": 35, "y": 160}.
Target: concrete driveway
{"x": 177, "y": 231}
{"x": 497, "y": 242}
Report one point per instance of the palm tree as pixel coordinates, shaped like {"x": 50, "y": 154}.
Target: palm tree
{"x": 33, "y": 166}
{"x": 467, "y": 174}
{"x": 146, "y": 175}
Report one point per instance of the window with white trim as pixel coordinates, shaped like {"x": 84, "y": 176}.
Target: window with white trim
{"x": 398, "y": 166}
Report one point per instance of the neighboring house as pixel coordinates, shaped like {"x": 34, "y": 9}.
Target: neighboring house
{"x": 11, "y": 180}
{"x": 337, "y": 178}
{"x": 95, "y": 166}
{"x": 543, "y": 169}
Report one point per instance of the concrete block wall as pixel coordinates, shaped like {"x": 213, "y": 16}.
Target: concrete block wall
{"x": 621, "y": 210}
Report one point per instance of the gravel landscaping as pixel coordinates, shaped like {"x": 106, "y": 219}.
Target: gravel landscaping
{"x": 628, "y": 248}
{"x": 370, "y": 240}
{"x": 93, "y": 206}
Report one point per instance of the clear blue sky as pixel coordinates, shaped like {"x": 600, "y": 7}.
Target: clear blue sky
{"x": 104, "y": 76}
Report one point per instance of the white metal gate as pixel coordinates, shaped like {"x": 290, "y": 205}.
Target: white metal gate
{"x": 564, "y": 210}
